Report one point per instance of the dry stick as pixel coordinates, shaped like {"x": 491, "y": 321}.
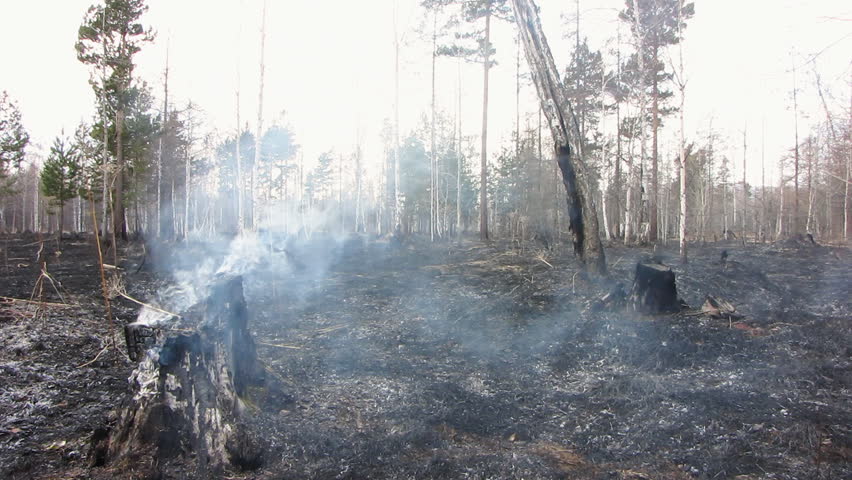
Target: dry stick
{"x": 21, "y": 300}
{"x": 46, "y": 275}
{"x": 39, "y": 286}
{"x": 292, "y": 347}
{"x": 125, "y": 295}
{"x": 541, "y": 257}
{"x": 104, "y": 290}
{"x": 331, "y": 329}
{"x": 96, "y": 357}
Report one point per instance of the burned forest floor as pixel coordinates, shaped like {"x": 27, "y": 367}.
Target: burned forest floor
{"x": 447, "y": 360}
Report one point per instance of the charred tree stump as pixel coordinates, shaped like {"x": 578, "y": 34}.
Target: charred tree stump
{"x": 186, "y": 407}
{"x": 654, "y": 289}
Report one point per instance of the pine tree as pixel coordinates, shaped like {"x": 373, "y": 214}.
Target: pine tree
{"x": 60, "y": 176}
{"x": 108, "y": 38}
{"x": 13, "y": 140}
{"x": 319, "y": 181}
{"x": 655, "y": 24}
{"x": 473, "y": 12}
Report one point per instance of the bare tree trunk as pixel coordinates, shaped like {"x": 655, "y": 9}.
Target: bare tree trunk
{"x": 848, "y": 175}
{"x": 795, "y": 153}
{"x": 628, "y": 201}
{"x": 239, "y": 186}
{"x": 605, "y": 183}
{"x": 258, "y": 143}
{"x": 340, "y": 192}
{"x": 682, "y": 142}
{"x": 119, "y": 224}
{"x": 358, "y": 187}
{"x": 433, "y": 196}
{"x": 811, "y": 156}
{"x": 583, "y": 217}
{"x": 642, "y": 106}
{"x": 846, "y": 198}
{"x": 36, "y": 208}
{"x": 745, "y": 186}
{"x": 618, "y": 153}
{"x": 459, "y": 160}
{"x": 726, "y": 227}
{"x": 780, "y": 233}
{"x": 655, "y": 126}
{"x": 483, "y": 165}
{"x": 160, "y": 146}
{"x": 763, "y": 216}
{"x": 397, "y": 193}
{"x": 187, "y": 190}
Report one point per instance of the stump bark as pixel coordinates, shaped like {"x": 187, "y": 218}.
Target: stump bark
{"x": 654, "y": 289}
{"x": 186, "y": 410}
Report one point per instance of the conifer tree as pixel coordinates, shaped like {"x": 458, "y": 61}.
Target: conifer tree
{"x": 60, "y": 176}
{"x": 655, "y": 24}
{"x": 109, "y": 37}
{"x": 13, "y": 140}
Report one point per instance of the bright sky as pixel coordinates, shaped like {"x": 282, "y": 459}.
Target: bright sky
{"x": 329, "y": 65}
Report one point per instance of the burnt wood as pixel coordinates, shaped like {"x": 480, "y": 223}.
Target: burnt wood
{"x": 654, "y": 289}
{"x": 187, "y": 406}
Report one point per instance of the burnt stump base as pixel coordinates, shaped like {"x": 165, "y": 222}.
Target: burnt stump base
{"x": 654, "y": 289}
{"x": 187, "y": 409}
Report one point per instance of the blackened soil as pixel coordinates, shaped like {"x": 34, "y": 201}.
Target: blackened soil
{"x": 58, "y": 381}
{"x": 482, "y": 361}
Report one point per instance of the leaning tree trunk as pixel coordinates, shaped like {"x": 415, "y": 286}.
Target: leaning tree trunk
{"x": 582, "y": 215}
{"x": 187, "y": 393}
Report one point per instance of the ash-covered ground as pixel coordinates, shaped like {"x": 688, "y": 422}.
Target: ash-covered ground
{"x": 469, "y": 361}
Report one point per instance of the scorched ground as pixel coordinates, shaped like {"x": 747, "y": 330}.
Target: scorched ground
{"x": 472, "y": 361}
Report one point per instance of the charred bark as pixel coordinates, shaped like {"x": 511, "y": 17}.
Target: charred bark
{"x": 654, "y": 289}
{"x": 187, "y": 407}
{"x": 583, "y": 216}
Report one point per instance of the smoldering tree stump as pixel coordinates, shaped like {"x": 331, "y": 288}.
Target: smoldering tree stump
{"x": 187, "y": 407}
{"x": 654, "y": 289}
